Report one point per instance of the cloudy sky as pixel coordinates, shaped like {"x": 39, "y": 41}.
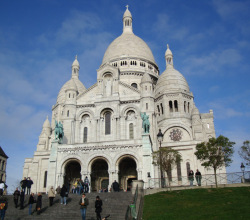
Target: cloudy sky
{"x": 39, "y": 39}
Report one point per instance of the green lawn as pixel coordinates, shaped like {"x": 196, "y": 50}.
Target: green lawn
{"x": 221, "y": 203}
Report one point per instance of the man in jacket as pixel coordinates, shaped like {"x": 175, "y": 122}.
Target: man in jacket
{"x": 64, "y": 194}
{"x": 28, "y": 184}
{"x": 31, "y": 202}
{"x": 51, "y": 195}
{"x": 16, "y": 196}
{"x": 3, "y": 206}
{"x": 84, "y": 202}
{"x": 22, "y": 199}
{"x": 23, "y": 184}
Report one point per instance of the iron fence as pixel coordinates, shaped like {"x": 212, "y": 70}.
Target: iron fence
{"x": 206, "y": 180}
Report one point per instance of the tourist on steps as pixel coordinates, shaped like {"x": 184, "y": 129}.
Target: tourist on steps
{"x": 28, "y": 184}
{"x": 198, "y": 177}
{"x": 51, "y": 195}
{"x": 39, "y": 203}
{"x": 23, "y": 184}
{"x": 31, "y": 202}
{"x": 115, "y": 186}
{"x": 22, "y": 199}
{"x": 3, "y": 206}
{"x": 63, "y": 195}
{"x": 191, "y": 177}
{"x": 16, "y": 195}
{"x": 84, "y": 202}
{"x": 98, "y": 208}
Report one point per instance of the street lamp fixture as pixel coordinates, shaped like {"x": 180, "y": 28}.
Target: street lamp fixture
{"x": 160, "y": 138}
{"x": 242, "y": 167}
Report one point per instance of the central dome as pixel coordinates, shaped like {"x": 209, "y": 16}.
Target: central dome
{"x": 128, "y": 45}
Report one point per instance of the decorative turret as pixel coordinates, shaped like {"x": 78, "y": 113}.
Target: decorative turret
{"x": 147, "y": 99}
{"x": 169, "y": 57}
{"x": 75, "y": 68}
{"x": 127, "y": 21}
{"x": 43, "y": 143}
{"x": 47, "y": 127}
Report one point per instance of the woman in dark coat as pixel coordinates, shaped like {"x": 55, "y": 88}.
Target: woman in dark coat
{"x": 98, "y": 208}
{"x": 22, "y": 199}
{"x": 64, "y": 194}
{"x": 39, "y": 203}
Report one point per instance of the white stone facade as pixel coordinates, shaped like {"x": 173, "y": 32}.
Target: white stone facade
{"x": 103, "y": 136}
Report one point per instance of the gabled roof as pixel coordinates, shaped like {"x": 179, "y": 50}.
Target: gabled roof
{"x": 2, "y": 153}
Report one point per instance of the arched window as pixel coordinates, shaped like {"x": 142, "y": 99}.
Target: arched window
{"x": 3, "y": 165}
{"x": 134, "y": 85}
{"x": 68, "y": 113}
{"x": 69, "y": 95}
{"x": 85, "y": 134}
{"x": 158, "y": 108}
{"x": 146, "y": 106}
{"x": 188, "y": 167}
{"x": 131, "y": 131}
{"x": 1, "y": 177}
{"x": 45, "y": 179}
{"x": 175, "y": 106}
{"x": 170, "y": 106}
{"x": 179, "y": 171}
{"x": 184, "y": 106}
{"x": 108, "y": 123}
{"x": 188, "y": 107}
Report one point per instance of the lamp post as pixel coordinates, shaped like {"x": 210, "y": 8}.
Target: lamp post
{"x": 160, "y": 138}
{"x": 242, "y": 167}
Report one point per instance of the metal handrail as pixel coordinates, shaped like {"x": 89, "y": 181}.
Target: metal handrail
{"x": 206, "y": 180}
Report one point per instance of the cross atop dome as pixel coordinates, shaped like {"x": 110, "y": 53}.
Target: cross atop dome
{"x": 127, "y": 6}
{"x": 169, "y": 57}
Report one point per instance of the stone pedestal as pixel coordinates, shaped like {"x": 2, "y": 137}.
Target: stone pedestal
{"x": 51, "y": 176}
{"x": 140, "y": 184}
{"x": 148, "y": 168}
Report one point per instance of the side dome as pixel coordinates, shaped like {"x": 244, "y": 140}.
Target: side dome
{"x": 73, "y": 84}
{"x": 171, "y": 80}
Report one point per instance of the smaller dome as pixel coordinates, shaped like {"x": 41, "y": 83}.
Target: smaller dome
{"x": 76, "y": 63}
{"x": 74, "y": 84}
{"x": 46, "y": 123}
{"x": 171, "y": 80}
{"x": 146, "y": 78}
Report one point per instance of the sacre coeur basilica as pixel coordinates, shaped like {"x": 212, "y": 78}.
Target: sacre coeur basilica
{"x": 103, "y": 137}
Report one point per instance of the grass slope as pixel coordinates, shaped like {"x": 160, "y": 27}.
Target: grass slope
{"x": 220, "y": 203}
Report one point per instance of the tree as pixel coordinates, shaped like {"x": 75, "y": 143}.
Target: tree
{"x": 166, "y": 159}
{"x": 244, "y": 152}
{"x": 215, "y": 153}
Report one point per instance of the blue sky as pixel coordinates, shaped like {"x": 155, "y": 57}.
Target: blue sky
{"x": 39, "y": 39}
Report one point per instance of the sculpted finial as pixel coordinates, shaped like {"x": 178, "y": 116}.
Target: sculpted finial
{"x": 127, "y": 7}
{"x": 167, "y": 46}
{"x": 76, "y": 57}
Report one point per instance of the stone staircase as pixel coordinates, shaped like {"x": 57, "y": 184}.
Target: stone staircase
{"x": 114, "y": 203}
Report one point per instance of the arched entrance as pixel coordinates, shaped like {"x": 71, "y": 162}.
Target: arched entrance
{"x": 99, "y": 175}
{"x": 127, "y": 172}
{"x": 72, "y": 172}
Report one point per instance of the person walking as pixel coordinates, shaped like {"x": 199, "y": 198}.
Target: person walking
{"x": 31, "y": 202}
{"x": 16, "y": 195}
{"x": 51, "y": 195}
{"x": 58, "y": 190}
{"x": 98, "y": 208}
{"x": 63, "y": 195}
{"x": 86, "y": 185}
{"x": 22, "y": 199}
{"x": 29, "y": 184}
{"x": 39, "y": 203}
{"x": 198, "y": 177}
{"x": 3, "y": 206}
{"x": 115, "y": 186}
{"x": 84, "y": 202}
{"x": 191, "y": 177}
{"x": 23, "y": 184}
{"x": 2, "y": 186}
